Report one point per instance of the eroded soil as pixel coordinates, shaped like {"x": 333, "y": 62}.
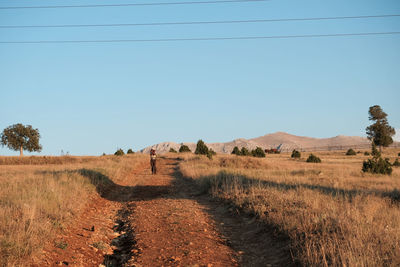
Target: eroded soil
{"x": 162, "y": 220}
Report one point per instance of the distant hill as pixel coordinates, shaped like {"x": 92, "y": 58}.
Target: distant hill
{"x": 288, "y": 141}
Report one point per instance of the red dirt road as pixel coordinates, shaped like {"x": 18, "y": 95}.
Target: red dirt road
{"x": 161, "y": 220}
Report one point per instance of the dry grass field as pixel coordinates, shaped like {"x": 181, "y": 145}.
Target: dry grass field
{"x": 333, "y": 214}
{"x": 40, "y": 195}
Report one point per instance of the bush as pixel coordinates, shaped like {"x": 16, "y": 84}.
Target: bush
{"x": 130, "y": 151}
{"x": 366, "y": 153}
{"x": 258, "y": 152}
{"x": 314, "y": 159}
{"x": 398, "y": 155}
{"x": 171, "y": 150}
{"x": 396, "y": 163}
{"x": 377, "y": 165}
{"x": 296, "y": 154}
{"x": 245, "y": 152}
{"x": 201, "y": 148}
{"x": 236, "y": 151}
{"x": 184, "y": 148}
{"x": 119, "y": 152}
{"x": 351, "y": 152}
{"x": 211, "y": 153}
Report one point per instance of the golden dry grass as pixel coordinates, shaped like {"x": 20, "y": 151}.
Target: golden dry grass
{"x": 334, "y": 214}
{"x": 37, "y": 201}
{"x": 43, "y": 160}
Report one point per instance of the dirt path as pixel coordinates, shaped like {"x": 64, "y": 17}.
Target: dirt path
{"x": 161, "y": 220}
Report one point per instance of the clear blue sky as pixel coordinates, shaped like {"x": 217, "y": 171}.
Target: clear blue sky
{"x": 93, "y": 98}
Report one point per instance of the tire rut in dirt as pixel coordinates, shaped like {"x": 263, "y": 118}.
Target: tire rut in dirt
{"x": 124, "y": 244}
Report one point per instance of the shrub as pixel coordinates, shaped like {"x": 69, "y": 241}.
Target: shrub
{"x": 201, "y": 148}
{"x": 245, "y": 152}
{"x": 130, "y": 151}
{"x": 296, "y": 154}
{"x": 172, "y": 150}
{"x": 366, "y": 153}
{"x": 398, "y": 154}
{"x": 314, "y": 159}
{"x": 396, "y": 163}
{"x": 211, "y": 153}
{"x": 377, "y": 165}
{"x": 236, "y": 151}
{"x": 350, "y": 152}
{"x": 258, "y": 152}
{"x": 119, "y": 152}
{"x": 184, "y": 148}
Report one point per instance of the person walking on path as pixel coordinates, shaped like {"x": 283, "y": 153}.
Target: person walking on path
{"x": 153, "y": 158}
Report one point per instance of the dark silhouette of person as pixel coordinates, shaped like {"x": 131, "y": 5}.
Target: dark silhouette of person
{"x": 153, "y": 158}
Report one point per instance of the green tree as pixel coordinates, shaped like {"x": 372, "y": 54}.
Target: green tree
{"x": 201, "y": 148}
{"x": 374, "y": 152}
{"x": 380, "y": 132}
{"x": 236, "y": 151}
{"x": 258, "y": 152}
{"x": 130, "y": 151}
{"x": 21, "y": 137}
{"x": 245, "y": 152}
{"x": 184, "y": 148}
{"x": 172, "y": 150}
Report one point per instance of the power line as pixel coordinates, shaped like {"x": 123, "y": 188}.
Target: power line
{"x": 200, "y": 39}
{"x": 195, "y": 22}
{"x": 136, "y": 4}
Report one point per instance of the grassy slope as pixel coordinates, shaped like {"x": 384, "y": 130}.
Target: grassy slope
{"x": 39, "y": 200}
{"x": 333, "y": 213}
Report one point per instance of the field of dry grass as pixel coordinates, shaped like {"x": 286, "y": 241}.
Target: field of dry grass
{"x": 334, "y": 214}
{"x": 40, "y": 195}
{"x": 44, "y": 160}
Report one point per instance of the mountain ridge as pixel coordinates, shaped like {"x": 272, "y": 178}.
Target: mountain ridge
{"x": 272, "y": 140}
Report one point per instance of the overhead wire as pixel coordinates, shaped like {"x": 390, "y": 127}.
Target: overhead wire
{"x": 134, "y": 4}
{"x": 200, "y": 39}
{"x": 197, "y": 22}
